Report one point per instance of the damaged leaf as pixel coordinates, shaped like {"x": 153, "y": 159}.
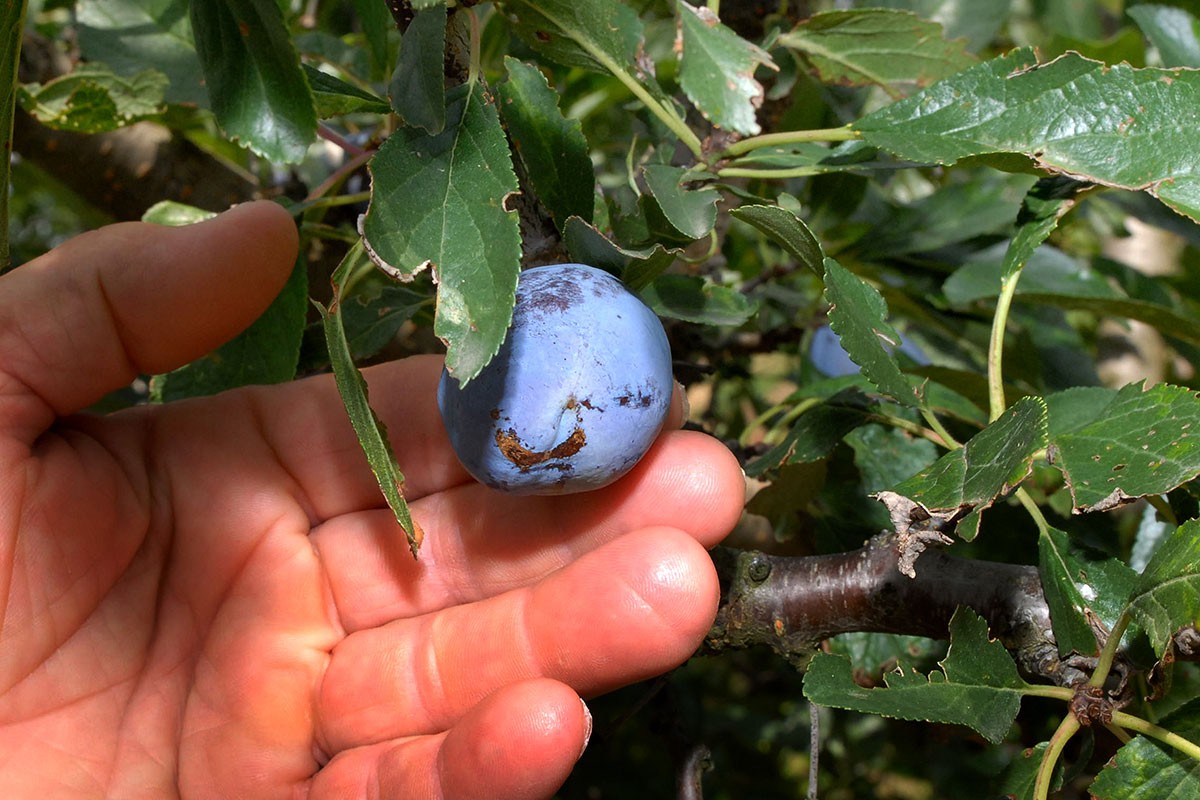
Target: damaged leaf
{"x": 1114, "y": 446}
{"x": 977, "y": 685}
{"x": 716, "y": 70}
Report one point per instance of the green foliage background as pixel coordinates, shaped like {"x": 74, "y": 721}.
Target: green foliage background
{"x": 899, "y": 247}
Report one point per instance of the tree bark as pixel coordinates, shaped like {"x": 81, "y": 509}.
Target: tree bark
{"x": 791, "y": 604}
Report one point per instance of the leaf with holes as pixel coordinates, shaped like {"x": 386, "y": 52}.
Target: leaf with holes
{"x": 1114, "y": 446}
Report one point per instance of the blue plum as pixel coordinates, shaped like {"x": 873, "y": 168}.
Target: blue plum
{"x": 575, "y": 396}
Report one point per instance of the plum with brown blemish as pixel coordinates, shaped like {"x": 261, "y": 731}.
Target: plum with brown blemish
{"x": 575, "y": 396}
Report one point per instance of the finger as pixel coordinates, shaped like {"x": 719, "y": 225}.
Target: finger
{"x": 479, "y": 543}
{"x": 327, "y": 460}
{"x": 632, "y": 609}
{"x": 132, "y": 298}
{"x": 520, "y": 743}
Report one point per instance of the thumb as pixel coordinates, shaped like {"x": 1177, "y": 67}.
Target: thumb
{"x": 132, "y": 298}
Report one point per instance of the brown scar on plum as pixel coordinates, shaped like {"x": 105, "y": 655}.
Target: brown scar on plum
{"x": 524, "y": 459}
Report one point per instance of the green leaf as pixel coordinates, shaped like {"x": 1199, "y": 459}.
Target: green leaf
{"x": 1113, "y": 125}
{"x": 439, "y": 202}
{"x": 874, "y": 654}
{"x": 129, "y": 35}
{"x": 1173, "y": 31}
{"x": 1147, "y": 769}
{"x": 600, "y": 35}
{"x": 991, "y": 464}
{"x": 371, "y": 322}
{"x": 1021, "y": 775}
{"x": 693, "y": 299}
{"x": 1116, "y": 446}
{"x": 266, "y": 352}
{"x": 816, "y": 431}
{"x": 552, "y": 147}
{"x": 92, "y": 99}
{"x": 637, "y": 267}
{"x": 334, "y": 97}
{"x": 1046, "y": 203}
{"x": 787, "y": 230}
{"x": 370, "y": 430}
{"x": 977, "y": 686}
{"x": 1166, "y": 596}
{"x": 255, "y": 85}
{"x": 1064, "y": 580}
{"x": 894, "y": 49}
{"x": 885, "y": 455}
{"x": 692, "y": 212}
{"x": 375, "y": 20}
{"x": 716, "y": 70}
{"x": 417, "y": 90}
{"x": 858, "y": 315}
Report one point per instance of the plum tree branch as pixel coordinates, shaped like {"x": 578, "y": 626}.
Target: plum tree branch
{"x": 790, "y": 604}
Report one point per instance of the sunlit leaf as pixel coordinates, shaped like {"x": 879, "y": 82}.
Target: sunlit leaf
{"x": 439, "y": 202}
{"x": 92, "y": 99}
{"x": 1113, "y": 125}
{"x": 370, "y": 430}
{"x": 256, "y": 87}
{"x": 716, "y": 69}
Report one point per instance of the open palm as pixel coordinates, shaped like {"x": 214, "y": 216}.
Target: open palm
{"x": 207, "y": 599}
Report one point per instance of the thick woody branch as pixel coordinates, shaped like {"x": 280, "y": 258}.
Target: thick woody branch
{"x": 792, "y": 603}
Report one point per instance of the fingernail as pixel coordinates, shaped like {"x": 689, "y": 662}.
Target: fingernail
{"x": 587, "y": 731}
{"x": 685, "y": 404}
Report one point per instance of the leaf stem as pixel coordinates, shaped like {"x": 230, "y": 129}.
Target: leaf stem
{"x": 1130, "y": 722}
{"x": 1039, "y": 518}
{"x": 769, "y": 174}
{"x": 473, "y": 65}
{"x": 842, "y": 134}
{"x": 1045, "y": 774}
{"x": 667, "y": 115}
{"x": 1109, "y": 652}
{"x": 12, "y": 27}
{"x": 995, "y": 362}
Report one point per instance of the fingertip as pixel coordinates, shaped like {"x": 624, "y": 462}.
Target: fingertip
{"x": 519, "y": 743}
{"x": 700, "y": 475}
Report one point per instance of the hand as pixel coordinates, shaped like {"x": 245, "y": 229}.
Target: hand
{"x": 208, "y": 598}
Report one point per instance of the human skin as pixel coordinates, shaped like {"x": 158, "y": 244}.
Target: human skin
{"x": 209, "y": 598}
